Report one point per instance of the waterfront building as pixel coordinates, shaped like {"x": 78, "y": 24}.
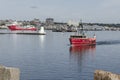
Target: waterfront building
{"x": 49, "y": 21}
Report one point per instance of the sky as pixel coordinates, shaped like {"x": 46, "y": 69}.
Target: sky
{"x": 93, "y": 11}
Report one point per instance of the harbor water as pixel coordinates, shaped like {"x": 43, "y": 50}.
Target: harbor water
{"x": 50, "y": 56}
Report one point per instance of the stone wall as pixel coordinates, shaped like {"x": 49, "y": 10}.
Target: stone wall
{"x": 104, "y": 75}
{"x": 9, "y": 73}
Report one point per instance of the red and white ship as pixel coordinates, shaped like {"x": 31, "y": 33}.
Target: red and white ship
{"x": 80, "y": 38}
{"x": 15, "y": 26}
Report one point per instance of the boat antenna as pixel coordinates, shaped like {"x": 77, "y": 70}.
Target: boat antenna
{"x": 80, "y": 28}
{"x": 81, "y": 25}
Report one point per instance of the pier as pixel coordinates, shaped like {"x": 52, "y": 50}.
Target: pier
{"x": 23, "y": 33}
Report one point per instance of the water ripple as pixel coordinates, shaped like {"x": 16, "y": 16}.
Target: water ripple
{"x": 109, "y": 42}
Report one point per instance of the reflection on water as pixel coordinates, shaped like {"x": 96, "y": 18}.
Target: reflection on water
{"x": 42, "y": 39}
{"x": 108, "y": 42}
{"x": 82, "y": 55}
{"x": 82, "y": 49}
{"x": 14, "y": 38}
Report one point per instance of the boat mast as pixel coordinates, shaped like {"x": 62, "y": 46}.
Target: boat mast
{"x": 80, "y": 28}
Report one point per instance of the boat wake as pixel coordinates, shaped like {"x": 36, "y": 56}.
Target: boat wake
{"x": 111, "y": 42}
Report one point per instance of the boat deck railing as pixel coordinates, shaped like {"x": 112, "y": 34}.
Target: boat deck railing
{"x": 78, "y": 36}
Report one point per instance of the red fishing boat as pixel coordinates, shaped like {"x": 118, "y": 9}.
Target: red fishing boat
{"x": 80, "y": 38}
{"x": 14, "y": 27}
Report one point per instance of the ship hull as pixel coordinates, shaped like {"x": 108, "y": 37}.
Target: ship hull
{"x": 14, "y": 28}
{"x": 82, "y": 41}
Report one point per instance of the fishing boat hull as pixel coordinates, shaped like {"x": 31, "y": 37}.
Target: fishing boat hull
{"x": 82, "y": 41}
